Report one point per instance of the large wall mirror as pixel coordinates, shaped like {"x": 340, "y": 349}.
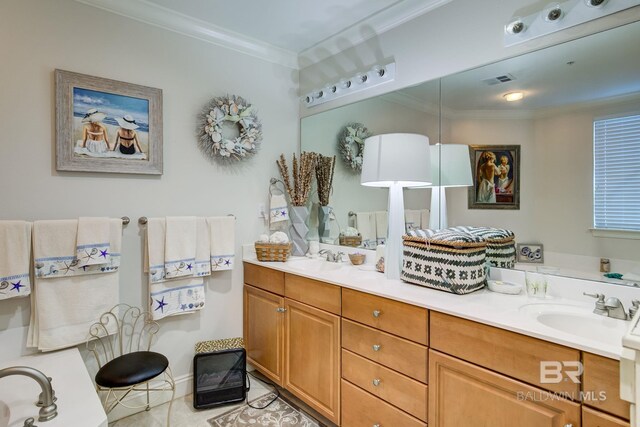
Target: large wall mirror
{"x": 566, "y": 89}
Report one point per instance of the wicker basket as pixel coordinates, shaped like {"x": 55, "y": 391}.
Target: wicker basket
{"x": 354, "y": 241}
{"x": 273, "y": 251}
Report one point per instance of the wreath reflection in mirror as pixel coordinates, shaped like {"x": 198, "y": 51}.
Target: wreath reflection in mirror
{"x": 229, "y": 129}
{"x": 351, "y": 144}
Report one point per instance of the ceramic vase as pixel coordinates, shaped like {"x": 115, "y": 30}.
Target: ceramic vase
{"x": 299, "y": 215}
{"x": 324, "y": 228}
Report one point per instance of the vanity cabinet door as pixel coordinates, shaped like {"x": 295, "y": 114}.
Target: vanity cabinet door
{"x": 312, "y": 357}
{"x": 462, "y": 394}
{"x": 264, "y": 332}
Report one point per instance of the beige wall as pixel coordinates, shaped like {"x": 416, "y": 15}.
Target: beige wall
{"x": 556, "y": 186}
{"x": 39, "y": 36}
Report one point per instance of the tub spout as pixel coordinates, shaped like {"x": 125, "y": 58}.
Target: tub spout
{"x": 48, "y": 408}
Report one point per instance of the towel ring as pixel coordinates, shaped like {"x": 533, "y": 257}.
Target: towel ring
{"x": 274, "y": 184}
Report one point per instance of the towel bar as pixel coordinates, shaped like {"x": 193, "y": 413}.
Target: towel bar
{"x": 125, "y": 220}
{"x": 143, "y": 219}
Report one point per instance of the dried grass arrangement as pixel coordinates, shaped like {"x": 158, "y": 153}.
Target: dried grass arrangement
{"x": 302, "y": 172}
{"x": 324, "y": 177}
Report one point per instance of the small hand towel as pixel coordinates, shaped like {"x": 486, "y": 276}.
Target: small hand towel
{"x": 279, "y": 210}
{"x": 366, "y": 225}
{"x": 92, "y": 245}
{"x": 155, "y": 249}
{"x": 203, "y": 248}
{"x": 424, "y": 218}
{"x": 15, "y": 256}
{"x": 66, "y": 303}
{"x": 411, "y": 220}
{"x": 179, "y": 296}
{"x": 180, "y": 246}
{"x": 382, "y": 226}
{"x": 223, "y": 242}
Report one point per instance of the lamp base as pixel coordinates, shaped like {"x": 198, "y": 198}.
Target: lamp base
{"x": 393, "y": 245}
{"x": 438, "y": 213}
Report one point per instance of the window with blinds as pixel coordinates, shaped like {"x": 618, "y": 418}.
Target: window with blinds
{"x": 616, "y": 173}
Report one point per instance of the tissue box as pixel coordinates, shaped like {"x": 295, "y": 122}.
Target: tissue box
{"x": 446, "y": 260}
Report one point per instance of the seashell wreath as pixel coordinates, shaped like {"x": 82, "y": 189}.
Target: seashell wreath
{"x": 234, "y": 110}
{"x": 351, "y": 144}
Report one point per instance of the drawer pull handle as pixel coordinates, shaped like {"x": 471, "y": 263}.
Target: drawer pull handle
{"x": 376, "y": 313}
{"x": 281, "y": 309}
{"x": 376, "y": 382}
{"x": 376, "y": 347}
{"x": 376, "y": 425}
{"x": 568, "y": 425}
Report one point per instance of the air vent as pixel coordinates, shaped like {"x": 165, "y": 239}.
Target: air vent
{"x": 499, "y": 80}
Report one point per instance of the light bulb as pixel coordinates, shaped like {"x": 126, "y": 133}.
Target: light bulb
{"x": 553, "y": 13}
{"x": 513, "y": 96}
{"x": 515, "y": 27}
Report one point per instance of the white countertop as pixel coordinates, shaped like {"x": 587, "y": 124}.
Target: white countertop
{"x": 484, "y": 306}
{"x": 78, "y": 402}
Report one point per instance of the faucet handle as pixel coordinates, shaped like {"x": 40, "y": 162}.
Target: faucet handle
{"x": 600, "y": 297}
{"x": 635, "y": 306}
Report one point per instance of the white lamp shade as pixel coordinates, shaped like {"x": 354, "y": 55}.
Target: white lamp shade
{"x": 450, "y": 165}
{"x": 402, "y": 158}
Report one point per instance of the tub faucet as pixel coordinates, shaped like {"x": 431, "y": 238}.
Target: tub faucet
{"x": 48, "y": 409}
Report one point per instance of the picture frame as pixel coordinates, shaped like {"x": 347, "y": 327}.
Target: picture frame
{"x": 105, "y": 125}
{"x": 530, "y": 253}
{"x": 496, "y": 177}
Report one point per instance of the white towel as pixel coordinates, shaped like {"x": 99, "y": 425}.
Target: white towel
{"x": 424, "y": 218}
{"x": 15, "y": 256}
{"x": 382, "y": 227}
{"x": 366, "y": 225}
{"x": 203, "y": 248}
{"x": 67, "y": 301}
{"x": 278, "y": 211}
{"x": 177, "y": 296}
{"x": 411, "y": 220}
{"x": 92, "y": 245}
{"x": 179, "y": 246}
{"x": 223, "y": 242}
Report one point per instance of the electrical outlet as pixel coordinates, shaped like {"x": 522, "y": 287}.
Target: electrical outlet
{"x": 261, "y": 211}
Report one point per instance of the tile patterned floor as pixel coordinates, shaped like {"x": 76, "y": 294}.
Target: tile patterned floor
{"x": 183, "y": 414}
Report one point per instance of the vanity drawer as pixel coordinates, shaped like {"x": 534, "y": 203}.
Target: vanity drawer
{"x": 603, "y": 375}
{"x": 509, "y": 353}
{"x": 396, "y": 353}
{"x": 401, "y": 391}
{"x": 264, "y": 278}
{"x": 398, "y": 318}
{"x": 312, "y": 292}
{"x": 591, "y": 418}
{"x": 361, "y": 409}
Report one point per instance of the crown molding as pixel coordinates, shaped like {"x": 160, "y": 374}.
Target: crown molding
{"x": 153, "y": 14}
{"x": 375, "y": 25}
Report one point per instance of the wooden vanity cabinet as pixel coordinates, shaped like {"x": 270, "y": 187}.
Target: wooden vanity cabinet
{"x": 602, "y": 376}
{"x": 292, "y": 335}
{"x": 462, "y": 394}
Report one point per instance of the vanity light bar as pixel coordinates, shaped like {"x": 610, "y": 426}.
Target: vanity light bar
{"x": 558, "y": 16}
{"x": 377, "y": 75}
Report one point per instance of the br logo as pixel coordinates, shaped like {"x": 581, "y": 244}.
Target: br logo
{"x": 553, "y": 371}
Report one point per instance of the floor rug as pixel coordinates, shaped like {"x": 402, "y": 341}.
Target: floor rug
{"x": 278, "y": 414}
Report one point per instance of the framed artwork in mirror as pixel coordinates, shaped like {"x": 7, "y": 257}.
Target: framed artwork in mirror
{"x": 496, "y": 177}
{"x": 530, "y": 253}
{"x": 106, "y": 125}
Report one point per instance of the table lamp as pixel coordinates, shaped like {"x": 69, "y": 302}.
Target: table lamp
{"x": 396, "y": 161}
{"x": 450, "y": 167}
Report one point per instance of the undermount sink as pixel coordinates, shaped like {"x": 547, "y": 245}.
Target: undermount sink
{"x": 579, "y": 321}
{"x": 317, "y": 265}
{"x": 4, "y": 414}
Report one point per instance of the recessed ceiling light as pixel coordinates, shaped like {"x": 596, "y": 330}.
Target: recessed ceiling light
{"x": 513, "y": 96}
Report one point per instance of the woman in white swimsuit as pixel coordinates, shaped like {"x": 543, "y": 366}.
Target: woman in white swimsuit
{"x": 94, "y": 133}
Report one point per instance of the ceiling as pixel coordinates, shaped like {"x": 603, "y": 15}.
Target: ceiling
{"x": 593, "y": 68}
{"x": 279, "y": 31}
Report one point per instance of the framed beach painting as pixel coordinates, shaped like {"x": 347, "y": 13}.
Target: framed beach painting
{"x": 496, "y": 172}
{"x": 106, "y": 125}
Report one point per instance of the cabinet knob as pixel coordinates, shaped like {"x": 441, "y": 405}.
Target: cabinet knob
{"x": 568, "y": 425}
{"x": 376, "y": 347}
{"x": 281, "y": 309}
{"x": 376, "y": 382}
{"x": 376, "y": 425}
{"x": 376, "y": 313}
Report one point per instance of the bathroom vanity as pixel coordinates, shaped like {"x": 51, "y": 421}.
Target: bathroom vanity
{"x": 366, "y": 351}
{"x": 77, "y": 401}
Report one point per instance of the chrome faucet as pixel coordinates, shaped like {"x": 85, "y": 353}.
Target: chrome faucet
{"x": 331, "y": 257}
{"x": 612, "y": 307}
{"x": 46, "y": 401}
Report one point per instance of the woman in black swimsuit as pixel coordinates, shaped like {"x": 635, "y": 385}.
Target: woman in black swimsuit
{"x": 126, "y": 136}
